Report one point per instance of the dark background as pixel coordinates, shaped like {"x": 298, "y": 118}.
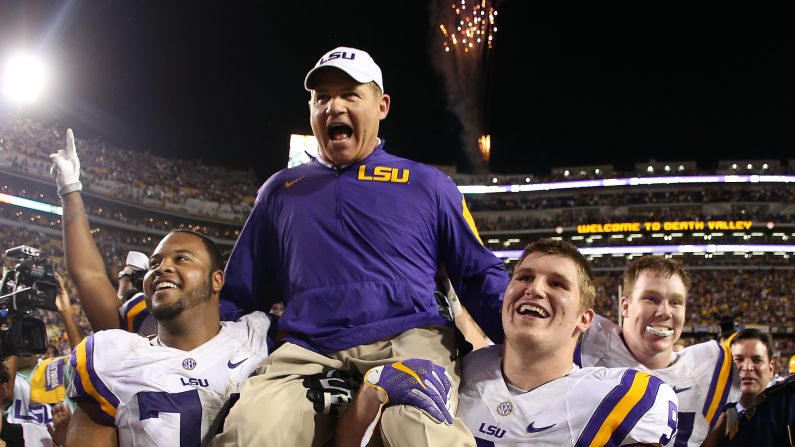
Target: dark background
{"x": 223, "y": 81}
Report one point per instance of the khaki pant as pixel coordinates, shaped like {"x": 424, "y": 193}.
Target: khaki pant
{"x": 273, "y": 409}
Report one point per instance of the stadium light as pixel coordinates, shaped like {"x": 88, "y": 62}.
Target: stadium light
{"x": 24, "y": 77}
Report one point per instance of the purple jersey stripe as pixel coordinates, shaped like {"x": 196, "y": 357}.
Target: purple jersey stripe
{"x": 99, "y": 385}
{"x": 483, "y": 443}
{"x": 139, "y": 320}
{"x": 605, "y": 408}
{"x": 83, "y": 396}
{"x": 723, "y": 398}
{"x": 714, "y": 383}
{"x": 637, "y": 412}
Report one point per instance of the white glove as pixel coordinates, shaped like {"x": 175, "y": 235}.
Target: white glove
{"x": 66, "y": 167}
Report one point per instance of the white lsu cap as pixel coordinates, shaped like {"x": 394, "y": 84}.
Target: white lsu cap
{"x": 137, "y": 260}
{"x": 356, "y": 63}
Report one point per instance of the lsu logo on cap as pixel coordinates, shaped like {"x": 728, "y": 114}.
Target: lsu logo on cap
{"x": 337, "y": 55}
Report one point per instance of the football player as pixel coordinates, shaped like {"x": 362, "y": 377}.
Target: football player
{"x": 653, "y": 310}
{"x": 167, "y": 389}
{"x": 529, "y": 391}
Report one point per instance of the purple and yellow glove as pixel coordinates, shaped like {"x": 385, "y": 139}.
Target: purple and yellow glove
{"x": 416, "y": 382}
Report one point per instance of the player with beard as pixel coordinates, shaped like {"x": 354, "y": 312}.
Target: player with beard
{"x": 165, "y": 390}
{"x": 653, "y": 310}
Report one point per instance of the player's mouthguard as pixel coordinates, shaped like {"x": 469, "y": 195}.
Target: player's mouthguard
{"x": 659, "y": 332}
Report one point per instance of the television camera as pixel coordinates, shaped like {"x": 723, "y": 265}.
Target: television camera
{"x": 30, "y": 285}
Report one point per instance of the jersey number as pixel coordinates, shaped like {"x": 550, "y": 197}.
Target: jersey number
{"x": 187, "y": 404}
{"x": 673, "y": 422}
{"x": 686, "y": 422}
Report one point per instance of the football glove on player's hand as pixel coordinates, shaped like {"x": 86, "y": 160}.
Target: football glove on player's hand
{"x": 416, "y": 382}
{"x": 66, "y": 167}
{"x": 330, "y": 391}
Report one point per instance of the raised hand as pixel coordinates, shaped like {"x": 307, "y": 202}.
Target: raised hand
{"x": 66, "y": 167}
{"x": 61, "y": 415}
{"x": 62, "y": 298}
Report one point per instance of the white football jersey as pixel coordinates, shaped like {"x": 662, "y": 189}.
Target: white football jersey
{"x": 22, "y": 409}
{"x": 33, "y": 417}
{"x": 160, "y": 396}
{"x": 702, "y": 376}
{"x": 587, "y": 407}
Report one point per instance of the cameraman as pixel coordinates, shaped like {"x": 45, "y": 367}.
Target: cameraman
{"x": 21, "y": 409}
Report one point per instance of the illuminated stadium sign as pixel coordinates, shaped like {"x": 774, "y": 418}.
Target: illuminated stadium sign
{"x": 679, "y": 225}
{"x": 31, "y": 204}
{"x": 667, "y": 249}
{"x": 633, "y": 181}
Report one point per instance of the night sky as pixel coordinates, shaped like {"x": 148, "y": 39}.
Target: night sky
{"x": 223, "y": 81}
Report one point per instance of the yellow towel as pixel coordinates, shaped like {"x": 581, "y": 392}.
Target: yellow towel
{"x": 48, "y": 381}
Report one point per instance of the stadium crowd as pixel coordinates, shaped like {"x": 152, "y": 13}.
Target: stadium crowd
{"x": 684, "y": 194}
{"x": 177, "y": 185}
{"x": 560, "y": 175}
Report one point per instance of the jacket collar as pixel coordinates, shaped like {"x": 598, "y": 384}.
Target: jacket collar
{"x": 379, "y": 150}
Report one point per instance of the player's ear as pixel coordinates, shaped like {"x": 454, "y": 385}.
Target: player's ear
{"x": 624, "y": 306}
{"x": 218, "y": 280}
{"x": 585, "y": 320}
